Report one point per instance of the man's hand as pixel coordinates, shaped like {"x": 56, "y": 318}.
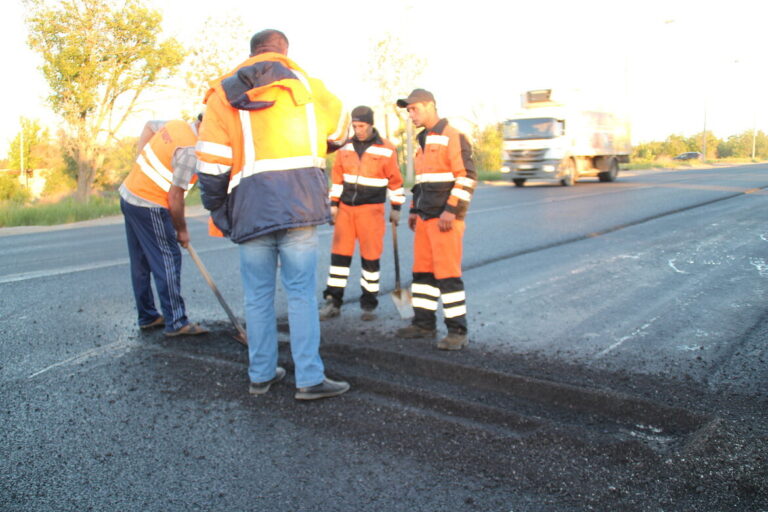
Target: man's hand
{"x": 412, "y": 221}
{"x": 183, "y": 238}
{"x": 445, "y": 223}
{"x": 334, "y": 213}
{"x": 394, "y": 216}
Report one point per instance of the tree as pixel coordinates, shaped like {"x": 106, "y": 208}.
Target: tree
{"x": 394, "y": 71}
{"x": 487, "y": 148}
{"x": 218, "y": 47}
{"x": 20, "y": 154}
{"x": 99, "y": 57}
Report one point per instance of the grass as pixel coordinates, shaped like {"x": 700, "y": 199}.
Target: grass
{"x": 67, "y": 210}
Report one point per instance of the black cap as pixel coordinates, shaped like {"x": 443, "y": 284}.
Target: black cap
{"x": 362, "y": 114}
{"x": 416, "y": 96}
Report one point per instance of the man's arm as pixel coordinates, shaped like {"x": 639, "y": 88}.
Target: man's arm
{"x": 176, "y": 207}
{"x": 150, "y": 129}
{"x": 215, "y": 154}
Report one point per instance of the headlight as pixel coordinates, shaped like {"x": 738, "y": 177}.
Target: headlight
{"x": 548, "y": 168}
{"x": 505, "y": 170}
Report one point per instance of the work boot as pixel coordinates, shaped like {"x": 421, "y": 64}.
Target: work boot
{"x": 329, "y": 310}
{"x": 325, "y": 389}
{"x": 453, "y": 341}
{"x": 414, "y": 331}
{"x": 259, "y": 388}
{"x": 368, "y": 315}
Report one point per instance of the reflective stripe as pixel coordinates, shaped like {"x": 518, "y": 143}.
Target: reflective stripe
{"x": 370, "y": 276}
{"x": 364, "y": 180}
{"x": 282, "y": 164}
{"x": 311, "y": 115}
{"x": 435, "y": 177}
{"x": 450, "y": 298}
{"x": 455, "y": 311}
{"x": 461, "y": 194}
{"x": 155, "y": 162}
{"x": 396, "y": 196}
{"x": 234, "y": 180}
{"x": 442, "y": 140}
{"x": 214, "y": 148}
{"x": 425, "y": 289}
{"x": 339, "y": 271}
{"x": 419, "y": 302}
{"x": 336, "y": 190}
{"x": 249, "y": 151}
{"x": 378, "y": 150}
{"x": 466, "y": 182}
{"x": 369, "y": 287}
{"x": 212, "y": 169}
{"x": 152, "y": 174}
{"x": 341, "y": 128}
{"x": 347, "y": 147}
{"x": 336, "y": 283}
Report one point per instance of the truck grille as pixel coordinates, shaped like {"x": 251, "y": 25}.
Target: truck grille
{"x": 526, "y": 155}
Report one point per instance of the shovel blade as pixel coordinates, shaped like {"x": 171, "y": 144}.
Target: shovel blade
{"x": 402, "y": 299}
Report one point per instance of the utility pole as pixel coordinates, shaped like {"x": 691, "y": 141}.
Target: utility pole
{"x": 704, "y": 135}
{"x": 21, "y": 156}
{"x": 409, "y": 150}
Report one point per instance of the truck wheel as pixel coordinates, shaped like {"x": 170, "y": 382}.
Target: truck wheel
{"x": 519, "y": 182}
{"x": 569, "y": 166}
{"x": 611, "y": 173}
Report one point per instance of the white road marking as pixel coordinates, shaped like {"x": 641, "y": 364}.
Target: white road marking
{"x": 636, "y": 333}
{"x": 119, "y": 348}
{"x": 671, "y": 263}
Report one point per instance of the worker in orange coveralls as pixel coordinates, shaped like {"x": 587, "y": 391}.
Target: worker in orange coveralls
{"x": 364, "y": 173}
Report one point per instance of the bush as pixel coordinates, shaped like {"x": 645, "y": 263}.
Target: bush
{"x": 58, "y": 182}
{"x": 11, "y": 190}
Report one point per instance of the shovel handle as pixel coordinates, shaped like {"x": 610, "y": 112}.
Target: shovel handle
{"x": 397, "y": 256}
{"x": 209, "y": 280}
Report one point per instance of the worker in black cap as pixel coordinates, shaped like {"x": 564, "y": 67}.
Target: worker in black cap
{"x": 445, "y": 181}
{"x": 364, "y": 174}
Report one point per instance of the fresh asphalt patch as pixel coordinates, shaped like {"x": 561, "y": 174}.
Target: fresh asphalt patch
{"x": 524, "y": 431}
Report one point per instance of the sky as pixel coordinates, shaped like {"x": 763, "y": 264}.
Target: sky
{"x": 669, "y": 66}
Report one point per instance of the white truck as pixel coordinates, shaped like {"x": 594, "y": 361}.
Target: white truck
{"x": 552, "y": 140}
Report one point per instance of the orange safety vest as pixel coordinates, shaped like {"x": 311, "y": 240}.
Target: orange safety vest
{"x": 152, "y": 174}
{"x": 363, "y": 180}
{"x": 445, "y": 172}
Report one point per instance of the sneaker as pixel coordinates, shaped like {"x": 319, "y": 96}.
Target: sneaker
{"x": 368, "y": 316}
{"x": 329, "y": 310}
{"x": 325, "y": 389}
{"x": 414, "y": 331}
{"x": 453, "y": 341}
{"x": 259, "y": 388}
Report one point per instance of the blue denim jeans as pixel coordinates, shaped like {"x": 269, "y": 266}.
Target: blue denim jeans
{"x": 297, "y": 252}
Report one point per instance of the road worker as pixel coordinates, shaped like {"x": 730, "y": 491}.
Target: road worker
{"x": 152, "y": 202}
{"x": 445, "y": 181}
{"x": 262, "y": 148}
{"x": 364, "y": 173}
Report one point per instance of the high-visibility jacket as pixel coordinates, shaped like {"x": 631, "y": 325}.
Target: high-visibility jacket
{"x": 262, "y": 147}
{"x": 152, "y": 174}
{"x": 445, "y": 173}
{"x": 357, "y": 180}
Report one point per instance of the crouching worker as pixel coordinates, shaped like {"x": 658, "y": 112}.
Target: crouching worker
{"x": 364, "y": 173}
{"x": 152, "y": 202}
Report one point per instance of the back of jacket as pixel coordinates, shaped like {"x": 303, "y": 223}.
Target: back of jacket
{"x": 262, "y": 148}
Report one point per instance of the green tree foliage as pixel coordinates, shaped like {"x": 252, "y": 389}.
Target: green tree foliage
{"x": 220, "y": 44}
{"x": 20, "y": 153}
{"x": 487, "y": 148}
{"x": 11, "y": 190}
{"x": 99, "y": 56}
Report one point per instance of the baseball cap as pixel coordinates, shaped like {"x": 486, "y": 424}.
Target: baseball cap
{"x": 416, "y": 96}
{"x": 362, "y": 114}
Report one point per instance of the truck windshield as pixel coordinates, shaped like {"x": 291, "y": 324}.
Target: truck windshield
{"x": 539, "y": 128}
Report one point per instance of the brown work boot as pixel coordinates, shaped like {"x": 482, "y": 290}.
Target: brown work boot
{"x": 453, "y": 341}
{"x": 329, "y": 310}
{"x": 414, "y": 331}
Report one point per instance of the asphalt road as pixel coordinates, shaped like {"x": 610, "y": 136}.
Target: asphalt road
{"x": 617, "y": 357}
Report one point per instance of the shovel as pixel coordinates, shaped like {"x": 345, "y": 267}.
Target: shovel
{"x": 401, "y": 298}
{"x": 240, "y": 336}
